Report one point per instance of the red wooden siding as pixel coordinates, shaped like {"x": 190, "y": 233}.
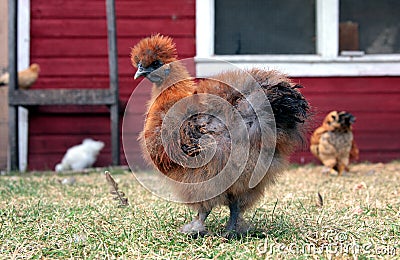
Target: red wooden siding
{"x": 69, "y": 41}
{"x": 375, "y": 101}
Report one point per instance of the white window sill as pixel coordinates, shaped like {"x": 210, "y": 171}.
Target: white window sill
{"x": 305, "y": 65}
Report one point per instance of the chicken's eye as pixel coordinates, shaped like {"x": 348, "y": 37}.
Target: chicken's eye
{"x": 156, "y": 64}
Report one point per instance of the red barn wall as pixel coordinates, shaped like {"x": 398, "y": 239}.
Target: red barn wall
{"x": 69, "y": 41}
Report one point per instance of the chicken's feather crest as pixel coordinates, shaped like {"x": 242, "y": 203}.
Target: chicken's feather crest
{"x": 150, "y": 49}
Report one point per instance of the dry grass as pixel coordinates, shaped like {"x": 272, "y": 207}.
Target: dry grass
{"x": 42, "y": 218}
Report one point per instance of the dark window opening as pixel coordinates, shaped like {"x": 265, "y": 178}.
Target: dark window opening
{"x": 264, "y": 27}
{"x": 371, "y": 26}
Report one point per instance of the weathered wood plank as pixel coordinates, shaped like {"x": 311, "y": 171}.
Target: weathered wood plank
{"x": 62, "y": 97}
{"x": 3, "y": 34}
{"x": 3, "y": 128}
{"x": 113, "y": 75}
{"x": 13, "y": 138}
{"x": 12, "y": 85}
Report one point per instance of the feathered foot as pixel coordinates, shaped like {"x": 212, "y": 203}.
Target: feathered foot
{"x": 196, "y": 227}
{"x": 342, "y": 169}
{"x": 329, "y": 171}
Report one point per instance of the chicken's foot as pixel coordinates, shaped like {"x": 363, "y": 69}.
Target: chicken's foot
{"x": 196, "y": 227}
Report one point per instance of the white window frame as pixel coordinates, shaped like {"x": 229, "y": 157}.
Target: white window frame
{"x": 325, "y": 63}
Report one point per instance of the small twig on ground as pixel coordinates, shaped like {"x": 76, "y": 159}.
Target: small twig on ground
{"x": 320, "y": 200}
{"x": 118, "y": 195}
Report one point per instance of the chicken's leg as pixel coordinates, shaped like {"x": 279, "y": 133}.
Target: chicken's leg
{"x": 196, "y": 226}
{"x": 236, "y": 225}
{"x": 234, "y": 216}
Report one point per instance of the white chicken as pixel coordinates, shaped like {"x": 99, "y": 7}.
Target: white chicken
{"x": 80, "y": 156}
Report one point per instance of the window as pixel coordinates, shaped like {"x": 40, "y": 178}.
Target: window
{"x": 370, "y": 26}
{"x": 300, "y": 37}
{"x": 279, "y": 27}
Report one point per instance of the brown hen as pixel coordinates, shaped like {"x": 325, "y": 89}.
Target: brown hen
{"x": 244, "y": 123}
{"x": 26, "y": 77}
{"x": 333, "y": 142}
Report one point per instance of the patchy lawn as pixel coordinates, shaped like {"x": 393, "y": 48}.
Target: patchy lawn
{"x": 44, "y": 215}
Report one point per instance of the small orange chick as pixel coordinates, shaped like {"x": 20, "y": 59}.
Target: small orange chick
{"x": 26, "y": 77}
{"x": 333, "y": 142}
{"x": 200, "y": 133}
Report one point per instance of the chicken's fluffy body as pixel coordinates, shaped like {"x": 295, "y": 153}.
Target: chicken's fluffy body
{"x": 26, "y": 78}
{"x": 333, "y": 142}
{"x": 80, "y": 156}
{"x": 172, "y": 83}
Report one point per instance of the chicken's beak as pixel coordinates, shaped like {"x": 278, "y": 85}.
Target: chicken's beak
{"x": 142, "y": 71}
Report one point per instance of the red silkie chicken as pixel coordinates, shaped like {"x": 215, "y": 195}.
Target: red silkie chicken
{"x": 237, "y": 131}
